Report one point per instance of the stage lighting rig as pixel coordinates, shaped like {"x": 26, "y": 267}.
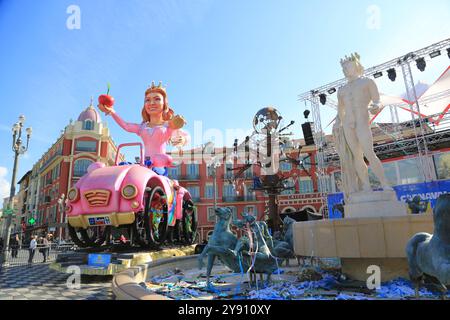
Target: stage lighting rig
{"x": 306, "y": 113}
{"x": 378, "y": 75}
{"x": 323, "y": 98}
{"x": 332, "y": 90}
{"x": 435, "y": 54}
{"x": 392, "y": 74}
{"x": 421, "y": 64}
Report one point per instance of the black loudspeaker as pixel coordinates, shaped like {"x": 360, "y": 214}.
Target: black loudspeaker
{"x": 307, "y": 133}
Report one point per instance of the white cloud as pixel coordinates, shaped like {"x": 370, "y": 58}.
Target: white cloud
{"x": 4, "y": 184}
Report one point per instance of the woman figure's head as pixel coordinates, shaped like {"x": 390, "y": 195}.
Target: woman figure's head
{"x": 156, "y": 105}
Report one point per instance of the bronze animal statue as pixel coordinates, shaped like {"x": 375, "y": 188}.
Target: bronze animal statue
{"x": 284, "y": 248}
{"x": 254, "y": 250}
{"x": 220, "y": 244}
{"x": 429, "y": 255}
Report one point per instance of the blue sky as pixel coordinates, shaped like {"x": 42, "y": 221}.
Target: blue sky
{"x": 222, "y": 60}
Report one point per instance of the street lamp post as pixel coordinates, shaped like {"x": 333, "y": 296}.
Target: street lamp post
{"x": 18, "y": 149}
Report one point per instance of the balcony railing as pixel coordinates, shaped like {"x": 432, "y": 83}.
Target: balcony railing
{"x": 227, "y": 176}
{"x": 233, "y": 199}
{"x": 189, "y": 177}
{"x": 250, "y": 198}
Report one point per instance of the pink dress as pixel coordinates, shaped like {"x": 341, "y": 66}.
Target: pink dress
{"x": 155, "y": 139}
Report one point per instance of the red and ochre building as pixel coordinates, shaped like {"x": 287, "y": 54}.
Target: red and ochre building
{"x": 81, "y": 143}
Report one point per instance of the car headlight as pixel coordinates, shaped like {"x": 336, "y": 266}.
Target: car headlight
{"x": 129, "y": 191}
{"x": 73, "y": 195}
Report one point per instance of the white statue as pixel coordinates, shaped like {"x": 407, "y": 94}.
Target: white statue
{"x": 352, "y": 129}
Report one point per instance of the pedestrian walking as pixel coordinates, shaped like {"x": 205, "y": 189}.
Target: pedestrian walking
{"x": 14, "y": 244}
{"x": 32, "y": 249}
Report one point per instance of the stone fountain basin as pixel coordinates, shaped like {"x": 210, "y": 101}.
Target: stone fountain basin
{"x": 362, "y": 242}
{"x": 127, "y": 285}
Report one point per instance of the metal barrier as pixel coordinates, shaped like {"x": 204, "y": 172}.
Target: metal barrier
{"x": 21, "y": 255}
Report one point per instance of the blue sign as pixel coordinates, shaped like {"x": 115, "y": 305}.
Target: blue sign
{"x": 99, "y": 260}
{"x": 420, "y": 197}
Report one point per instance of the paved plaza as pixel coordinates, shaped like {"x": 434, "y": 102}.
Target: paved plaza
{"x": 38, "y": 282}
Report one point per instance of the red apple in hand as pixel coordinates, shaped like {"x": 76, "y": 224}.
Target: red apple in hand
{"x": 105, "y": 99}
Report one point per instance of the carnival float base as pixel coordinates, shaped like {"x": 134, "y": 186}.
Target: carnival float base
{"x": 119, "y": 261}
{"x": 362, "y": 242}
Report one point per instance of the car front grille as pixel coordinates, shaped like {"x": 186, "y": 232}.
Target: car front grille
{"x": 97, "y": 198}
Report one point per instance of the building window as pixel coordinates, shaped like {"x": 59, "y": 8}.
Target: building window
{"x": 88, "y": 125}
{"x": 211, "y": 214}
{"x": 175, "y": 172}
{"x": 80, "y": 167}
{"x": 410, "y": 171}
{"x": 194, "y": 191}
{"x": 228, "y": 174}
{"x": 306, "y": 186}
{"x": 327, "y": 185}
{"x": 285, "y": 166}
{"x": 305, "y": 160}
{"x": 228, "y": 192}
{"x": 390, "y": 171}
{"x": 209, "y": 191}
{"x": 442, "y": 165}
{"x": 192, "y": 170}
{"x": 86, "y": 146}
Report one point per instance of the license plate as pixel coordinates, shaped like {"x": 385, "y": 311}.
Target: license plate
{"x": 99, "y": 221}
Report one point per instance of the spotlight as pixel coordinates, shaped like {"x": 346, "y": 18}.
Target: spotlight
{"x": 323, "y": 98}
{"x": 392, "y": 74}
{"x": 306, "y": 113}
{"x": 435, "y": 54}
{"x": 448, "y": 52}
{"x": 378, "y": 75}
{"x": 333, "y": 90}
{"x": 421, "y": 64}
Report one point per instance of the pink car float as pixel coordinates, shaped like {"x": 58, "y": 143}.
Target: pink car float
{"x": 132, "y": 197}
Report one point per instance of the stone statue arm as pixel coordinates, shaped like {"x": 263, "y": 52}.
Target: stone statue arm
{"x": 340, "y": 111}
{"x": 375, "y": 97}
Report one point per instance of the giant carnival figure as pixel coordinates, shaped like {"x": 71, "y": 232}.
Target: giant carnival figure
{"x": 138, "y": 197}
{"x": 159, "y": 126}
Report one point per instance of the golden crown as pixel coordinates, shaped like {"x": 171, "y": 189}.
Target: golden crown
{"x": 154, "y": 87}
{"x": 354, "y": 57}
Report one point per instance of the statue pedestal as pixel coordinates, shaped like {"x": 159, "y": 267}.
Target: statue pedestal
{"x": 374, "y": 204}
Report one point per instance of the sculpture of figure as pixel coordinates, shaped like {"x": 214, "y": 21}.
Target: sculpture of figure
{"x": 429, "y": 255}
{"x": 284, "y": 249}
{"x": 256, "y": 248}
{"x": 159, "y": 126}
{"x": 416, "y": 205}
{"x": 220, "y": 244}
{"x": 352, "y": 130}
